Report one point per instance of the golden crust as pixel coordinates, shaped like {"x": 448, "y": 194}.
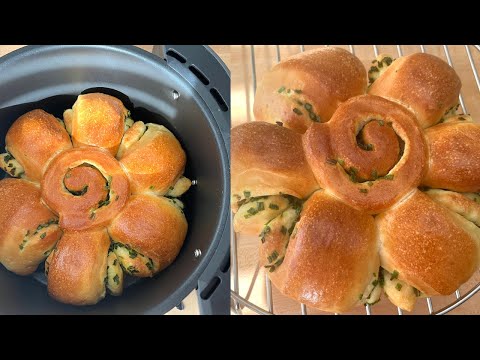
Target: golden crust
{"x": 326, "y": 77}
{"x": 454, "y": 160}
{"x": 34, "y": 139}
{"x": 78, "y": 267}
{"x": 467, "y": 205}
{"x": 103, "y": 113}
{"x": 268, "y": 159}
{"x": 153, "y": 226}
{"x": 96, "y": 176}
{"x": 21, "y": 213}
{"x": 432, "y": 248}
{"x": 423, "y": 83}
{"x": 155, "y": 161}
{"x": 331, "y": 256}
{"x": 332, "y": 152}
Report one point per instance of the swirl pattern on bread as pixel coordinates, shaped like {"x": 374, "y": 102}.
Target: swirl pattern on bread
{"x": 106, "y": 207}
{"x": 398, "y": 210}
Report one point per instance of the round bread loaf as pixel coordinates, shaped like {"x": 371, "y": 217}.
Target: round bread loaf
{"x": 148, "y": 234}
{"x": 103, "y": 113}
{"x": 331, "y": 256}
{"x": 268, "y": 160}
{"x": 308, "y": 87}
{"x": 29, "y": 229}
{"x": 430, "y": 247}
{"x": 454, "y": 156}
{"x": 32, "y": 141}
{"x": 76, "y": 270}
{"x": 423, "y": 83}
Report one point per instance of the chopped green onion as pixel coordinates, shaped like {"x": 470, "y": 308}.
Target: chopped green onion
{"x": 273, "y": 206}
{"x": 394, "y": 275}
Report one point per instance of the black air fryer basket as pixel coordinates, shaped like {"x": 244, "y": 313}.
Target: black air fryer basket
{"x": 185, "y": 88}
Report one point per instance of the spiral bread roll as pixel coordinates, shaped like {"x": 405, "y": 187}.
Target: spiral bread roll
{"x": 112, "y": 179}
{"x": 423, "y": 83}
{"x": 454, "y": 163}
{"x": 153, "y": 159}
{"x": 429, "y": 246}
{"x": 104, "y": 113}
{"x": 29, "y": 229}
{"x": 331, "y": 258}
{"x": 148, "y": 234}
{"x": 308, "y": 87}
{"x": 77, "y": 269}
{"x": 86, "y": 187}
{"x": 370, "y": 154}
{"x": 31, "y": 143}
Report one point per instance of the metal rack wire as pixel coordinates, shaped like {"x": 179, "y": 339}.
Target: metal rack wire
{"x": 238, "y": 301}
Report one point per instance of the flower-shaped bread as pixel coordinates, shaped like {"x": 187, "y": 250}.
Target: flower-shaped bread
{"x": 382, "y": 197}
{"x": 96, "y": 196}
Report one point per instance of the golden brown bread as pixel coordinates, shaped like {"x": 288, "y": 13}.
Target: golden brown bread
{"x": 33, "y": 140}
{"x": 268, "y": 160}
{"x": 370, "y": 154}
{"x": 152, "y": 158}
{"x": 454, "y": 160}
{"x": 466, "y": 204}
{"x": 151, "y": 229}
{"x": 432, "y": 248}
{"x": 423, "y": 83}
{"x": 308, "y": 87}
{"x": 77, "y": 268}
{"x": 86, "y": 187}
{"x": 28, "y": 229}
{"x": 331, "y": 255}
{"x": 103, "y": 113}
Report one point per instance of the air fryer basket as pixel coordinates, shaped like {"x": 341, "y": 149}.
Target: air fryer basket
{"x": 187, "y": 89}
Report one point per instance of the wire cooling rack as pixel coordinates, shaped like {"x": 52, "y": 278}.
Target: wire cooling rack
{"x": 463, "y": 57}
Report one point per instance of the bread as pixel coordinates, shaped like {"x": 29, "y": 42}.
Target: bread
{"x": 252, "y": 216}
{"x": 32, "y": 142}
{"x": 308, "y": 87}
{"x": 77, "y": 268}
{"x": 268, "y": 160}
{"x": 325, "y": 249}
{"x": 454, "y": 160}
{"x": 152, "y": 157}
{"x": 86, "y": 187}
{"x": 104, "y": 113}
{"x": 432, "y": 248}
{"x": 29, "y": 229}
{"x": 81, "y": 191}
{"x": 370, "y": 154}
{"x": 331, "y": 257}
{"x": 423, "y": 83}
{"x": 465, "y": 204}
{"x": 148, "y": 234}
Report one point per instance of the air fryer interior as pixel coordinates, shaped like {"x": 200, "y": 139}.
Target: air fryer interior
{"x": 50, "y": 78}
